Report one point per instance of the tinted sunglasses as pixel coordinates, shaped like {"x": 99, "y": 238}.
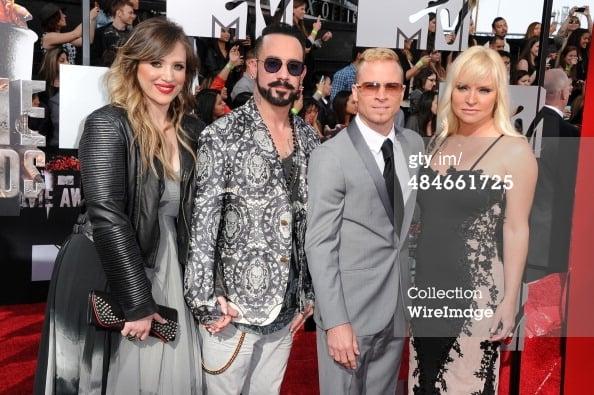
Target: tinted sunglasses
{"x": 374, "y": 87}
{"x": 273, "y": 65}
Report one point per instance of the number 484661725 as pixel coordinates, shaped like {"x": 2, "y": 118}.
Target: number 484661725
{"x": 461, "y": 182}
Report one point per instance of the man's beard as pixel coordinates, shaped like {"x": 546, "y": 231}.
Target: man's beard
{"x": 282, "y": 101}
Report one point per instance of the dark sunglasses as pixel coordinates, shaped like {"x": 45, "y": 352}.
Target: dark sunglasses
{"x": 273, "y": 65}
{"x": 374, "y": 87}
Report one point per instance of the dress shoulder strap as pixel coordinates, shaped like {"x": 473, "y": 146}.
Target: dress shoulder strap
{"x": 431, "y": 147}
{"x": 485, "y": 153}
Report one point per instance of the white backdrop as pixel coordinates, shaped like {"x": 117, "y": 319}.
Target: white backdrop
{"x": 203, "y": 18}
{"x": 82, "y": 91}
{"x": 520, "y": 13}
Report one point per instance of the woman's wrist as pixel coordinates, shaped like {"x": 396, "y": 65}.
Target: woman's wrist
{"x": 511, "y": 297}
{"x": 294, "y": 111}
{"x": 229, "y": 66}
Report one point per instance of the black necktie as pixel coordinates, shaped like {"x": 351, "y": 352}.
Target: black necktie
{"x": 391, "y": 184}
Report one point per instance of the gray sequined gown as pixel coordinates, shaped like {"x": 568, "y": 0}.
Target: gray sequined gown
{"x": 153, "y": 367}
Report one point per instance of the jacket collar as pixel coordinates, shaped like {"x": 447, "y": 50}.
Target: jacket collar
{"x": 261, "y": 135}
{"x": 371, "y": 166}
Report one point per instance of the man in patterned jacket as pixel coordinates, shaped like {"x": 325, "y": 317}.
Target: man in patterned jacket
{"x": 247, "y": 280}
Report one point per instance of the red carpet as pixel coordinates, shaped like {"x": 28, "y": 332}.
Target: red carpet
{"x": 20, "y": 327}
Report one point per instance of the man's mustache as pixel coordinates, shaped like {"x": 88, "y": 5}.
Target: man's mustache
{"x": 284, "y": 84}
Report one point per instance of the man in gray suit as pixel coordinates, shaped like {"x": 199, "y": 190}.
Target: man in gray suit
{"x": 359, "y": 211}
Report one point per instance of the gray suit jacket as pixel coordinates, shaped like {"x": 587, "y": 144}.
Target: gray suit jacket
{"x": 358, "y": 264}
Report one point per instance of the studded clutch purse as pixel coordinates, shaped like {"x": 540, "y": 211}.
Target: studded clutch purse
{"x": 104, "y": 312}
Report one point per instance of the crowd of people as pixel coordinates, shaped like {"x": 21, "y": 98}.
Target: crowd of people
{"x": 230, "y": 181}
{"x": 227, "y": 64}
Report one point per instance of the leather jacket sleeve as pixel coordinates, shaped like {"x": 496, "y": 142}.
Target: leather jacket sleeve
{"x": 103, "y": 155}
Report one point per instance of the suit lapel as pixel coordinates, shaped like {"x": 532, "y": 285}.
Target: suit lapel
{"x": 409, "y": 205}
{"x": 407, "y": 150}
{"x": 365, "y": 155}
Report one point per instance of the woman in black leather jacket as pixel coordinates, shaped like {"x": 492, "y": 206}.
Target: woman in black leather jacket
{"x": 137, "y": 166}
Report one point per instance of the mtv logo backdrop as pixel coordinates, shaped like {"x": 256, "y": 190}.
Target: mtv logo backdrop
{"x": 387, "y": 23}
{"x": 206, "y": 18}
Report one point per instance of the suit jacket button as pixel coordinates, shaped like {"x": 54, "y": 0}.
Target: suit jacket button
{"x": 284, "y": 259}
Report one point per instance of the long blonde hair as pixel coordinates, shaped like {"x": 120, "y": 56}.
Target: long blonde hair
{"x": 478, "y": 64}
{"x": 150, "y": 41}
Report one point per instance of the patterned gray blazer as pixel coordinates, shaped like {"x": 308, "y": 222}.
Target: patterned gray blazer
{"x": 242, "y": 220}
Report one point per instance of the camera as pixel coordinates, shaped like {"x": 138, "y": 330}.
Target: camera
{"x": 580, "y": 9}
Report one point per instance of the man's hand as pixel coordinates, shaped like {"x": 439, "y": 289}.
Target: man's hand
{"x": 300, "y": 319}
{"x": 228, "y": 314}
{"x": 342, "y": 345}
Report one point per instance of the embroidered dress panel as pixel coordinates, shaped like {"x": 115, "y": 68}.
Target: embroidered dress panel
{"x": 459, "y": 247}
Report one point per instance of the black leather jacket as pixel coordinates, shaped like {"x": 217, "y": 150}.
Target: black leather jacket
{"x": 122, "y": 204}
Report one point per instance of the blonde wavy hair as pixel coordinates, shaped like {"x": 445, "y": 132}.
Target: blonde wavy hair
{"x": 150, "y": 41}
{"x": 476, "y": 64}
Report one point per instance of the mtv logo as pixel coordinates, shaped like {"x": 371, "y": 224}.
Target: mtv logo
{"x": 206, "y": 18}
{"x": 269, "y": 8}
{"x": 525, "y": 103}
{"x": 388, "y": 23}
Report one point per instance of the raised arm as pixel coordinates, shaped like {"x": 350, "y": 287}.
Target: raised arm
{"x": 53, "y": 39}
{"x": 93, "y": 16}
{"x": 416, "y": 69}
{"x": 563, "y": 30}
{"x": 235, "y": 59}
{"x": 588, "y": 18}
